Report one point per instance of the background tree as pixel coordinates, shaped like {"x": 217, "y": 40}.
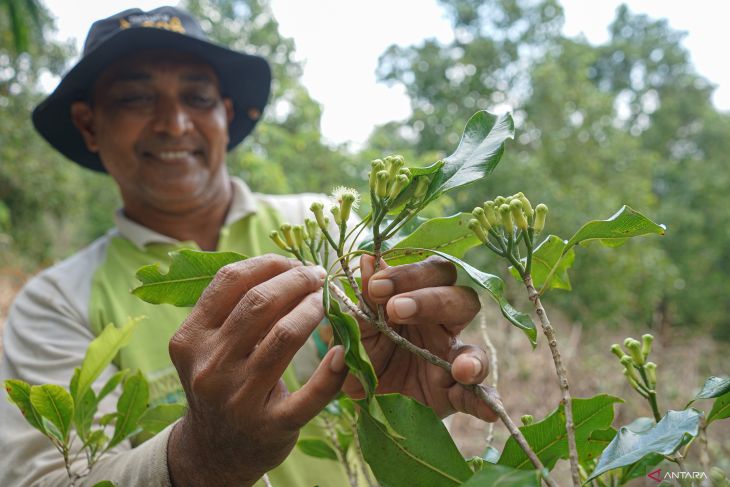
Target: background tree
{"x": 628, "y": 121}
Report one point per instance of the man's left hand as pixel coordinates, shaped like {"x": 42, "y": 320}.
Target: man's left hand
{"x": 423, "y": 305}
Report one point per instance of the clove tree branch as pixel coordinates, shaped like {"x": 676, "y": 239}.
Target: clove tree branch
{"x": 549, "y": 331}
{"x": 486, "y": 394}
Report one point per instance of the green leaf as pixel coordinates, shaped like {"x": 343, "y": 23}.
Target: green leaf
{"x": 494, "y": 286}
{"x": 347, "y": 333}
{"x": 130, "y": 407}
{"x": 112, "y": 384}
{"x": 674, "y": 430}
{"x": 720, "y": 409}
{"x": 501, "y": 476}
{"x": 158, "y": 418}
{"x": 448, "y": 234}
{"x": 317, "y": 448}
{"x": 714, "y": 387}
{"x": 55, "y": 404}
{"x": 640, "y": 468}
{"x": 625, "y": 223}
{"x": 85, "y": 408}
{"x": 596, "y": 442}
{"x": 425, "y": 455}
{"x": 19, "y": 393}
{"x": 544, "y": 258}
{"x": 190, "y": 273}
{"x": 96, "y": 441}
{"x": 105, "y": 483}
{"x": 478, "y": 153}
{"x": 101, "y": 352}
{"x": 548, "y": 437}
{"x": 612, "y": 232}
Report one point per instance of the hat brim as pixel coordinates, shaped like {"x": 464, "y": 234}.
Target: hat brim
{"x": 244, "y": 78}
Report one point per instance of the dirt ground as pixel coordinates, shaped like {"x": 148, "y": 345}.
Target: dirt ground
{"x": 528, "y": 385}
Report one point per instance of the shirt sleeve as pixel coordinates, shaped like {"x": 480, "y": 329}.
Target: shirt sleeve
{"x": 45, "y": 337}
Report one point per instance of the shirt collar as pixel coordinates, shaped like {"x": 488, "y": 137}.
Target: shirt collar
{"x": 243, "y": 204}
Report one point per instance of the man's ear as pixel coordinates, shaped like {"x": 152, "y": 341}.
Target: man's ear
{"x": 228, "y": 103}
{"x": 83, "y": 118}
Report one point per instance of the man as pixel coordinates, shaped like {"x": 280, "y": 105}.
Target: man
{"x": 156, "y": 105}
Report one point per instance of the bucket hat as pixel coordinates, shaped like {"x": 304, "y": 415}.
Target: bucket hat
{"x": 244, "y": 78}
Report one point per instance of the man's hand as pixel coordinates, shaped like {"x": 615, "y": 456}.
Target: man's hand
{"x": 230, "y": 354}
{"x": 424, "y": 306}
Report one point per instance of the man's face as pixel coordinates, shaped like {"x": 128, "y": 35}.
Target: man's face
{"x": 160, "y": 127}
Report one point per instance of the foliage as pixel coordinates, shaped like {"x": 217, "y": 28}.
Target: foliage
{"x": 626, "y": 121}
{"x": 403, "y": 441}
{"x": 68, "y": 416}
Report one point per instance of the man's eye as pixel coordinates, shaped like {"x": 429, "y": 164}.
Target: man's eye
{"x": 135, "y": 99}
{"x": 200, "y": 100}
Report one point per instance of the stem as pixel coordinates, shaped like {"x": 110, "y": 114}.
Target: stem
{"x": 341, "y": 453}
{"x": 363, "y": 464}
{"x": 704, "y": 448}
{"x": 488, "y": 395}
{"x": 353, "y": 284}
{"x": 562, "y": 376}
{"x": 266, "y": 480}
{"x": 493, "y": 367}
{"x": 651, "y": 395}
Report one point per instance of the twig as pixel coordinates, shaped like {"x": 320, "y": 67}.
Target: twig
{"x": 493, "y": 366}
{"x": 339, "y": 451}
{"x": 363, "y": 464}
{"x": 547, "y": 328}
{"x": 266, "y": 480}
{"x": 486, "y": 394}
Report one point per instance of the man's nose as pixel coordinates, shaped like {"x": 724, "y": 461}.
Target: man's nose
{"x": 172, "y": 118}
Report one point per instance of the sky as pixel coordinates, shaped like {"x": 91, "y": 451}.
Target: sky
{"x": 339, "y": 42}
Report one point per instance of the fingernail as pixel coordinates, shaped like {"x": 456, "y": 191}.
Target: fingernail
{"x": 337, "y": 364}
{"x": 476, "y": 366}
{"x": 404, "y": 307}
{"x": 381, "y": 288}
{"x": 321, "y": 271}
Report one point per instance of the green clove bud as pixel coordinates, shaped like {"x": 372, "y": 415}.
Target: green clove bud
{"x": 335, "y": 210}
{"x": 401, "y": 181}
{"x": 312, "y": 229}
{"x": 629, "y": 366}
{"x": 506, "y": 216}
{"x": 491, "y": 212}
{"x": 633, "y": 381}
{"x": 480, "y": 215}
{"x": 381, "y": 184}
{"x": 286, "y": 230}
{"x": 618, "y": 351}
{"x": 541, "y": 211}
{"x": 650, "y": 368}
{"x": 499, "y": 201}
{"x": 347, "y": 200}
{"x": 634, "y": 348}
{"x": 478, "y": 229}
{"x": 396, "y": 162}
{"x": 421, "y": 188}
{"x": 274, "y": 235}
{"x": 318, "y": 210}
{"x": 515, "y": 207}
{"x": 375, "y": 166}
{"x": 299, "y": 236}
{"x": 646, "y": 341}
{"x": 526, "y": 206}
{"x": 527, "y": 419}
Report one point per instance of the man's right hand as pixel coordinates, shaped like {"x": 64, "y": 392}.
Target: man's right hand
{"x": 230, "y": 354}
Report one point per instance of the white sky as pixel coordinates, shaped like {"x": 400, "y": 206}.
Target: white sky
{"x": 340, "y": 42}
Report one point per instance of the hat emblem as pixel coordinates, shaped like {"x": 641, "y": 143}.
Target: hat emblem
{"x": 156, "y": 21}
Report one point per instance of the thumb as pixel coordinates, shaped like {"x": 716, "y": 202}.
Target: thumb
{"x": 303, "y": 405}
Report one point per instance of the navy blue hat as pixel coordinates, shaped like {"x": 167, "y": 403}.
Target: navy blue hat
{"x": 244, "y": 78}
